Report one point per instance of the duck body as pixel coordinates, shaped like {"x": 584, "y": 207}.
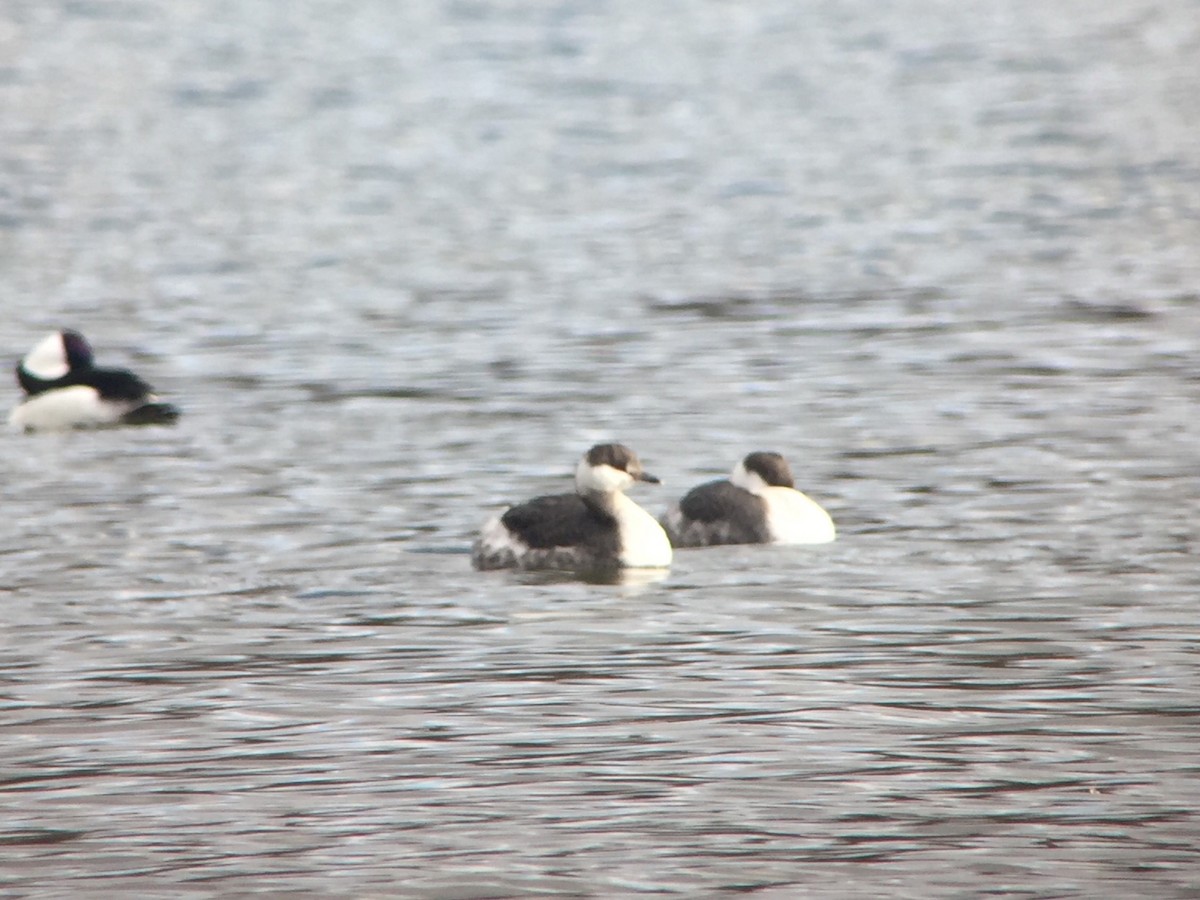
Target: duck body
{"x": 64, "y": 389}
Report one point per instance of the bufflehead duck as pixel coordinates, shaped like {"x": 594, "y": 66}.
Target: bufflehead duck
{"x": 64, "y": 389}
{"x": 757, "y": 504}
{"x": 596, "y": 528}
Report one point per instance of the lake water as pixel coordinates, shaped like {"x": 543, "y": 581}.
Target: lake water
{"x": 402, "y": 263}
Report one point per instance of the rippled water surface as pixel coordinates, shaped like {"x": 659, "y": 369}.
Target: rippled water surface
{"x": 401, "y": 263}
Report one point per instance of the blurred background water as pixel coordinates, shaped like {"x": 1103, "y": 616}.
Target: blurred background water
{"x": 402, "y": 263}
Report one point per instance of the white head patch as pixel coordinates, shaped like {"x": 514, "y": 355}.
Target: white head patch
{"x": 48, "y": 360}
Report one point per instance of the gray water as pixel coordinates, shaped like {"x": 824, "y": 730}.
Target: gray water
{"x": 401, "y": 263}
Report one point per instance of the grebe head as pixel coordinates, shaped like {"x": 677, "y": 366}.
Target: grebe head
{"x": 608, "y": 468}
{"x": 760, "y": 470}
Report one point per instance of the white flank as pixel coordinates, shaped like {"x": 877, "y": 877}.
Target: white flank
{"x": 77, "y": 406}
{"x": 494, "y": 538}
{"x": 795, "y": 518}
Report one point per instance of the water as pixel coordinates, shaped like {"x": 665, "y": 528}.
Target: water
{"x": 402, "y": 263}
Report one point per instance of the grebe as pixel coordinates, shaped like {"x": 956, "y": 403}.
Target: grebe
{"x": 757, "y": 504}
{"x": 597, "y": 527}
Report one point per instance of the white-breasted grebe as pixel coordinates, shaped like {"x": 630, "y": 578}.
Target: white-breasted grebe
{"x": 597, "y": 527}
{"x": 757, "y": 504}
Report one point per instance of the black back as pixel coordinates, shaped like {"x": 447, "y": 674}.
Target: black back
{"x": 110, "y": 384}
{"x": 723, "y": 501}
{"x": 564, "y": 520}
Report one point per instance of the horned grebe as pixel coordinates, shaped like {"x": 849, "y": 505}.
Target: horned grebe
{"x": 756, "y": 505}
{"x": 597, "y": 527}
{"x": 64, "y": 389}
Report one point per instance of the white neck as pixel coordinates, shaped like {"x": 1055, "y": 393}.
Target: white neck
{"x": 747, "y": 480}
{"x": 644, "y": 544}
